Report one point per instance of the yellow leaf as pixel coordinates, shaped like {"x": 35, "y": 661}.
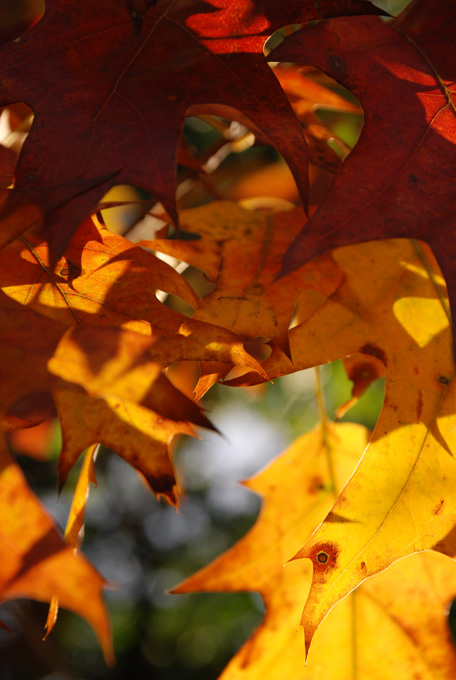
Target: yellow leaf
{"x": 393, "y": 626}
{"x": 400, "y": 499}
{"x": 242, "y": 250}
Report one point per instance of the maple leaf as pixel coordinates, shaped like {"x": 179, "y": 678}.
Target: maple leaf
{"x": 398, "y": 616}
{"x": 36, "y": 563}
{"x": 104, "y": 76}
{"x": 402, "y": 165}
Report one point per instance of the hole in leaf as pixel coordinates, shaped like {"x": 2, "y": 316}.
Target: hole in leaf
{"x": 222, "y": 160}
{"x": 359, "y": 399}
{"x": 127, "y": 212}
{"x": 15, "y": 123}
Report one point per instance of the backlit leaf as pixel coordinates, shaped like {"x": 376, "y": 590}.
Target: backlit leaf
{"x": 36, "y": 563}
{"x": 398, "y": 617}
{"x": 398, "y": 181}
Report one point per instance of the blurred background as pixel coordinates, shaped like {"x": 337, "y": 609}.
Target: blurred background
{"x": 146, "y": 547}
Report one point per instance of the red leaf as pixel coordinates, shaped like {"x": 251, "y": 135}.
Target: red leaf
{"x": 110, "y": 92}
{"x": 398, "y": 181}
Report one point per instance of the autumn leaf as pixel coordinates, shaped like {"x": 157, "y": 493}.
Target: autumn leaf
{"x": 7, "y": 165}
{"x": 398, "y": 616}
{"x": 389, "y": 307}
{"x": 138, "y": 435}
{"x": 36, "y": 563}
{"x": 81, "y": 312}
{"x": 110, "y": 68}
{"x": 75, "y": 521}
{"x": 402, "y": 166}
{"x": 307, "y": 97}
{"x": 106, "y": 374}
{"x": 241, "y": 251}
{"x": 104, "y": 279}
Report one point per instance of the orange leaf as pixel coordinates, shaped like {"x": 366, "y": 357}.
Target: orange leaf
{"x": 138, "y": 435}
{"x": 75, "y": 522}
{"x": 36, "y": 563}
{"x": 242, "y": 251}
{"x": 104, "y": 279}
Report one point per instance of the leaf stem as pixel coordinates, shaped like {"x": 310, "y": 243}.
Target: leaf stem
{"x": 322, "y": 411}
{"x": 325, "y": 425}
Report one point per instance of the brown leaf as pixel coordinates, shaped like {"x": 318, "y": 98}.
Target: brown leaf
{"x": 144, "y": 73}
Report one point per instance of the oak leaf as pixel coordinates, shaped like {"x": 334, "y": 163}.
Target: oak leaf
{"x": 241, "y": 252}
{"x": 307, "y": 96}
{"x": 75, "y": 521}
{"x": 107, "y": 370}
{"x": 399, "y": 616}
{"x": 388, "y": 306}
{"x": 104, "y": 279}
{"x": 138, "y": 435}
{"x": 36, "y": 563}
{"x": 111, "y": 71}
{"x": 398, "y": 181}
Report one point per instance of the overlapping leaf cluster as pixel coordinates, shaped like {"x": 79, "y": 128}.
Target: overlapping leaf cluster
{"x": 80, "y": 316}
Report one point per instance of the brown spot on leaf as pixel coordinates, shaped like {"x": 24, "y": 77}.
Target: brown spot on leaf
{"x": 324, "y": 557}
{"x": 438, "y": 508}
{"x": 419, "y": 406}
{"x": 254, "y": 289}
{"x": 370, "y": 348}
{"x": 337, "y": 65}
{"x": 316, "y": 485}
